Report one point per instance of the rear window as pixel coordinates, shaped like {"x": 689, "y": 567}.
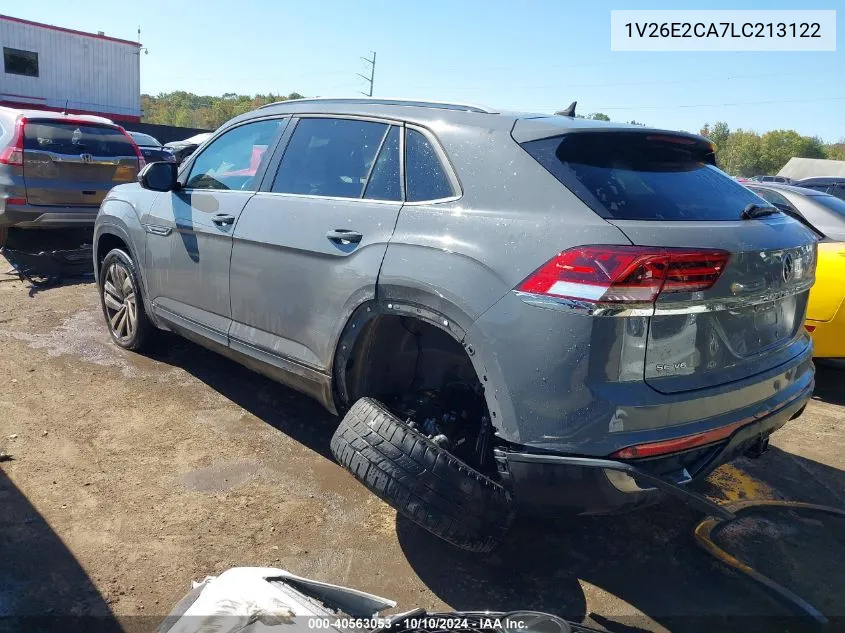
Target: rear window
{"x": 639, "y": 176}
{"x": 76, "y": 139}
{"x": 831, "y": 203}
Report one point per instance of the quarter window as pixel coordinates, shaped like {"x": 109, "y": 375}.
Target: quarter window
{"x": 232, "y": 160}
{"x": 425, "y": 177}
{"x": 333, "y": 157}
{"x": 385, "y": 181}
{"x": 18, "y": 62}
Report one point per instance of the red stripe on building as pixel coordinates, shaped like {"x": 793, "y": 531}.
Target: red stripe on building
{"x": 37, "y": 106}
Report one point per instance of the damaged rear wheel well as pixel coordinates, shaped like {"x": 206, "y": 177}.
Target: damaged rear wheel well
{"x": 394, "y": 354}
{"x": 424, "y": 375}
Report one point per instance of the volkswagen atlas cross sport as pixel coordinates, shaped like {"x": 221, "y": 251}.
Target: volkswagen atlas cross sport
{"x": 491, "y": 299}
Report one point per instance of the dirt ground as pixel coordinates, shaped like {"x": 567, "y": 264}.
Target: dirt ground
{"x": 129, "y": 476}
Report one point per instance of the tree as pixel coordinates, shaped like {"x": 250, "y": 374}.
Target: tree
{"x": 598, "y": 116}
{"x": 720, "y": 134}
{"x": 741, "y": 155}
{"x": 835, "y": 151}
{"x": 189, "y": 110}
{"x": 778, "y": 146}
{"x": 632, "y": 122}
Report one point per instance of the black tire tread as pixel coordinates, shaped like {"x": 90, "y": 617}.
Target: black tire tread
{"x": 420, "y": 480}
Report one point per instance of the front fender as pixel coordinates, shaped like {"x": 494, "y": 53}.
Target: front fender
{"x": 119, "y": 218}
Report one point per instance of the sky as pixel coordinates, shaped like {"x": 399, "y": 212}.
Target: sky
{"x": 533, "y": 55}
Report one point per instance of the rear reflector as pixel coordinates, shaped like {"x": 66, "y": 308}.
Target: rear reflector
{"x": 678, "y": 444}
{"x": 12, "y": 154}
{"x": 625, "y": 274}
{"x": 19, "y": 201}
{"x": 810, "y": 328}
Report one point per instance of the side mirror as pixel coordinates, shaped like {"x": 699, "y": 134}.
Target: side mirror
{"x": 159, "y": 176}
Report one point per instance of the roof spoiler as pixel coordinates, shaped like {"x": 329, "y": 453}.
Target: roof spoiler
{"x": 569, "y": 111}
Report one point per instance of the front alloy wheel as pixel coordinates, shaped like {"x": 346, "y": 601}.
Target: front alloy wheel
{"x": 122, "y": 303}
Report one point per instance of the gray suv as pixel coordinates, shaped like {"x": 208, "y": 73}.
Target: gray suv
{"x": 55, "y": 169}
{"x": 513, "y": 312}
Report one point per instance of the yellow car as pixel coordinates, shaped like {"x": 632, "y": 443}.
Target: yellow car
{"x": 826, "y": 310}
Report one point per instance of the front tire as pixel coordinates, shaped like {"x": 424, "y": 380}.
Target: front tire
{"x": 421, "y": 480}
{"x": 123, "y": 306}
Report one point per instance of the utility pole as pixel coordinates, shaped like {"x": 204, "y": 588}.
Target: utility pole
{"x": 372, "y": 63}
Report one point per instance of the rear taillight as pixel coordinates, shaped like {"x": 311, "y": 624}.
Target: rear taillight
{"x": 141, "y": 161}
{"x": 12, "y": 154}
{"x": 625, "y": 274}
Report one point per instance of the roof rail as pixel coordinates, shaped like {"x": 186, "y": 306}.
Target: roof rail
{"x": 419, "y": 103}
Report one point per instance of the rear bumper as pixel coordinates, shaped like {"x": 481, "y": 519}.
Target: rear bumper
{"x": 47, "y": 217}
{"x": 552, "y": 484}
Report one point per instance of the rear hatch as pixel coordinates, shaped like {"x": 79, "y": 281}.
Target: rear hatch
{"x": 749, "y": 279}
{"x": 74, "y": 163}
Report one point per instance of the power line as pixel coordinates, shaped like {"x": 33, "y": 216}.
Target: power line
{"x": 372, "y": 63}
{"x": 615, "y": 84}
{"x": 718, "y": 105}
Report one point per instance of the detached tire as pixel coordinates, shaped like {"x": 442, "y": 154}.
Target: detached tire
{"x": 421, "y": 480}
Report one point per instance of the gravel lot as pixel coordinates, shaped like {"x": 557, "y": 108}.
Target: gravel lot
{"x": 132, "y": 475}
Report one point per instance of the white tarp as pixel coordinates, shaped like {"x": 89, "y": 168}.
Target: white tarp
{"x": 798, "y": 168}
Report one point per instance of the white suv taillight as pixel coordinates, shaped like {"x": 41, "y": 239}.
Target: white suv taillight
{"x": 12, "y": 154}
{"x": 625, "y": 274}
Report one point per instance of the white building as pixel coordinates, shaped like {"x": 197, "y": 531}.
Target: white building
{"x": 52, "y": 68}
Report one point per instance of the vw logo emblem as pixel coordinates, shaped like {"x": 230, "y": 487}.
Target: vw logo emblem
{"x": 86, "y": 158}
{"x": 788, "y": 268}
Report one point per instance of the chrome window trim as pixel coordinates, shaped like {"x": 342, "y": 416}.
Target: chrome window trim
{"x": 317, "y": 197}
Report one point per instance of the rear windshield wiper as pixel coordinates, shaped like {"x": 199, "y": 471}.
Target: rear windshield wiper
{"x": 753, "y": 211}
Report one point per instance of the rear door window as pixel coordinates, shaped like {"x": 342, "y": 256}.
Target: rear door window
{"x": 330, "y": 157}
{"x": 425, "y": 176}
{"x": 75, "y": 139}
{"x": 839, "y": 191}
{"x": 636, "y": 176}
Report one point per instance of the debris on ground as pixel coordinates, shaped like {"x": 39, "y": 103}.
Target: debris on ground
{"x": 792, "y": 547}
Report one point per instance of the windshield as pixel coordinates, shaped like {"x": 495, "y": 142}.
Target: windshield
{"x": 144, "y": 139}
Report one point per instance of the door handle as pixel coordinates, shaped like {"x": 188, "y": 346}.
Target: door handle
{"x": 223, "y": 219}
{"x": 344, "y": 236}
